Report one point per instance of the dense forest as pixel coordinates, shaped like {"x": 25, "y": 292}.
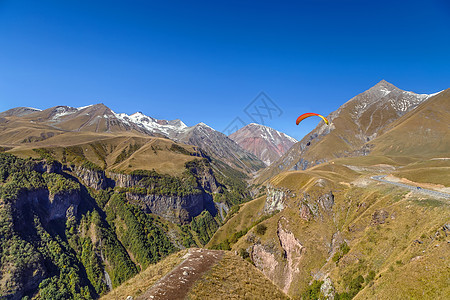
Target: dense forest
{"x": 60, "y": 239}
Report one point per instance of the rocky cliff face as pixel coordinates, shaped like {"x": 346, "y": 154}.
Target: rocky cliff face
{"x": 276, "y": 199}
{"x": 49, "y": 206}
{"x": 265, "y": 259}
{"x": 206, "y": 179}
{"x": 204, "y": 176}
{"x": 177, "y": 209}
{"x": 279, "y": 260}
{"x": 45, "y": 167}
{"x": 293, "y": 252}
{"x": 124, "y": 180}
{"x": 32, "y": 271}
{"x": 92, "y": 178}
{"x": 282, "y": 257}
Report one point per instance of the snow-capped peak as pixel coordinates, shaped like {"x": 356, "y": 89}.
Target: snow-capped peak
{"x": 268, "y": 133}
{"x": 168, "y": 128}
{"x": 201, "y": 124}
{"x": 266, "y": 143}
{"x": 384, "y": 92}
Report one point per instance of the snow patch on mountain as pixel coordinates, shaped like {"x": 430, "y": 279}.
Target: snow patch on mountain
{"x": 83, "y": 107}
{"x": 62, "y": 111}
{"x": 272, "y": 135}
{"x": 169, "y": 128}
{"x": 400, "y": 100}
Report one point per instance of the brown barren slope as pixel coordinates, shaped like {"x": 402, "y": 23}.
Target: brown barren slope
{"x": 199, "y": 274}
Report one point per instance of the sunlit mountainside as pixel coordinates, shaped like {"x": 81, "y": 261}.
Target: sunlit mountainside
{"x": 98, "y": 204}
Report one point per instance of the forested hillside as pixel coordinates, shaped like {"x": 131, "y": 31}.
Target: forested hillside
{"x": 63, "y": 239}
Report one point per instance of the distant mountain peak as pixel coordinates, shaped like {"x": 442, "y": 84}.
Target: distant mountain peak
{"x": 255, "y": 124}
{"x": 384, "y": 83}
{"x": 19, "y": 111}
{"x": 201, "y": 124}
{"x": 354, "y": 124}
{"x": 264, "y": 142}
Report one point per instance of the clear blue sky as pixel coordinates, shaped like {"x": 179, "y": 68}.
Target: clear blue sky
{"x": 204, "y": 61}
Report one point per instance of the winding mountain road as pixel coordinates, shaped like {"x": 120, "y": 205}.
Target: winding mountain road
{"x": 417, "y": 189}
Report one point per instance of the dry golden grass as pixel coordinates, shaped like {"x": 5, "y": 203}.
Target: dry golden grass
{"x": 439, "y": 176}
{"x": 423, "y": 132}
{"x": 321, "y": 174}
{"x": 292, "y": 179}
{"x": 434, "y": 171}
{"x": 234, "y": 278}
{"x": 373, "y": 246}
{"x": 248, "y": 213}
{"x": 405, "y": 269}
{"x": 144, "y": 280}
{"x": 369, "y": 160}
{"x": 154, "y": 153}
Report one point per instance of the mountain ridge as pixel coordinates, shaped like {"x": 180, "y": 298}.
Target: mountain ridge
{"x": 352, "y": 126}
{"x": 27, "y": 125}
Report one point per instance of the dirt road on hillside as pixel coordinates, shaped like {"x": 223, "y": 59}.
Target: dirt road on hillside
{"x": 176, "y": 284}
{"x": 412, "y": 187}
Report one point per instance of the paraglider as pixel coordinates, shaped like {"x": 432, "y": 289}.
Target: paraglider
{"x": 304, "y": 116}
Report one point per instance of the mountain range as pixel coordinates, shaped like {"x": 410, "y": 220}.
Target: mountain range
{"x": 29, "y": 125}
{"x": 333, "y": 231}
{"x": 352, "y": 128}
{"x": 91, "y": 200}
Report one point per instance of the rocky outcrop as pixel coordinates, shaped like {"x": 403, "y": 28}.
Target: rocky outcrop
{"x": 177, "y": 209}
{"x": 63, "y": 205}
{"x": 276, "y": 198}
{"x": 50, "y": 207}
{"x": 95, "y": 179}
{"x": 379, "y": 217}
{"x": 312, "y": 207}
{"x": 280, "y": 263}
{"x": 327, "y": 289}
{"x": 293, "y": 252}
{"x": 326, "y": 201}
{"x": 305, "y": 212}
{"x": 48, "y": 167}
{"x": 203, "y": 174}
{"x": 336, "y": 240}
{"x": 206, "y": 179}
{"x": 265, "y": 260}
{"x": 125, "y": 180}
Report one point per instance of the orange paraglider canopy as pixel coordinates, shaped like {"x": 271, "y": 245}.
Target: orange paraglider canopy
{"x": 307, "y": 115}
